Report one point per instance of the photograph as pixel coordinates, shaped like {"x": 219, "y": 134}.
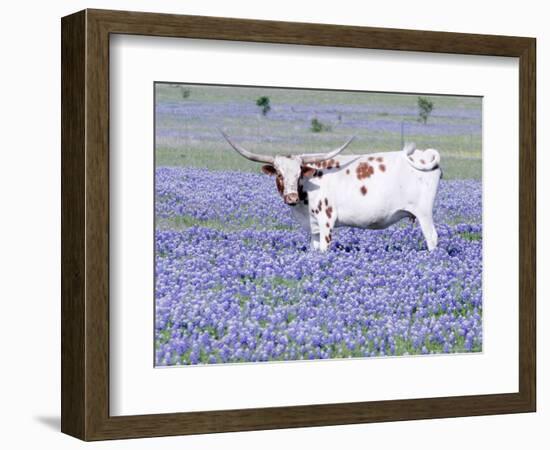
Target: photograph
{"x": 300, "y": 224}
{"x": 336, "y": 218}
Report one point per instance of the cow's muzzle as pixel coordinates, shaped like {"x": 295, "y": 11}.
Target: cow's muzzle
{"x": 291, "y": 199}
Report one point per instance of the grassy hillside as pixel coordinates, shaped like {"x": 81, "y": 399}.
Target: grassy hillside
{"x": 188, "y": 118}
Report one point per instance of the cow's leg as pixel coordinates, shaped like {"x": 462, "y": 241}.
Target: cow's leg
{"x": 315, "y": 241}
{"x": 314, "y": 230}
{"x": 428, "y": 229}
{"x": 326, "y": 222}
{"x": 321, "y": 231}
{"x": 326, "y": 228}
{"x": 321, "y": 222}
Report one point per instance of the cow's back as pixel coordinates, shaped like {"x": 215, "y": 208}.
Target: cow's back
{"x": 374, "y": 190}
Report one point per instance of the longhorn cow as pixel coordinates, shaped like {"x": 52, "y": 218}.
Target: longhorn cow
{"x": 370, "y": 191}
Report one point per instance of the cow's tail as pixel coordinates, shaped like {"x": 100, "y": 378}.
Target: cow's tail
{"x": 424, "y": 160}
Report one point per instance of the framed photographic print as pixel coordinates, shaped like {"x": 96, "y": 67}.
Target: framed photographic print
{"x": 271, "y": 225}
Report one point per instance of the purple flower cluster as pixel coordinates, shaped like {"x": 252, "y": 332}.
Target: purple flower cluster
{"x": 236, "y": 281}
{"x": 231, "y": 199}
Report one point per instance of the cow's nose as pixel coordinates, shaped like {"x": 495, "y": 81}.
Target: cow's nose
{"x": 291, "y": 199}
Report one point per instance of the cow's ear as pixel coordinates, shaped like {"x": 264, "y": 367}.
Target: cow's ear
{"x": 269, "y": 170}
{"x": 308, "y": 171}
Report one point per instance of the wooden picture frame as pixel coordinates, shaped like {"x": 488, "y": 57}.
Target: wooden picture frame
{"x": 85, "y": 224}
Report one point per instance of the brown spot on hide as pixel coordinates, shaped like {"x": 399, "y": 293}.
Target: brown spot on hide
{"x": 363, "y": 190}
{"x": 329, "y": 212}
{"x": 328, "y": 164}
{"x": 422, "y": 161}
{"x": 364, "y": 170}
{"x": 269, "y": 170}
{"x": 327, "y": 239}
{"x": 347, "y": 171}
{"x": 280, "y": 184}
{"x": 371, "y": 158}
{"x": 379, "y": 159}
{"x": 382, "y": 167}
{"x": 308, "y": 171}
{"x": 320, "y": 205}
{"x": 326, "y": 201}
{"x": 312, "y": 211}
{"x": 327, "y": 224}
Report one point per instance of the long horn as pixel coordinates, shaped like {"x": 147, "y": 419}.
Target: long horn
{"x": 318, "y": 157}
{"x": 249, "y": 155}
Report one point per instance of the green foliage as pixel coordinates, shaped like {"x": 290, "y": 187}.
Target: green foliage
{"x": 470, "y": 236}
{"x": 317, "y": 126}
{"x": 264, "y": 103}
{"x": 425, "y": 107}
{"x": 185, "y": 92}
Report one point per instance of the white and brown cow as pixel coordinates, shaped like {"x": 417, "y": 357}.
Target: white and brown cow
{"x": 366, "y": 191}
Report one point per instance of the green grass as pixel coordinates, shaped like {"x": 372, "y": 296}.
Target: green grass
{"x": 461, "y": 155}
{"x": 171, "y": 92}
{"x": 216, "y": 158}
{"x": 471, "y": 236}
{"x": 183, "y": 222}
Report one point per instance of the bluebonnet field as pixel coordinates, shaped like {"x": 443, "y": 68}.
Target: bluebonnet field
{"x": 236, "y": 281}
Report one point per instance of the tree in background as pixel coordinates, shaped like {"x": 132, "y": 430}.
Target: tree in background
{"x": 425, "y": 107}
{"x": 185, "y": 92}
{"x": 264, "y": 103}
{"x": 317, "y": 126}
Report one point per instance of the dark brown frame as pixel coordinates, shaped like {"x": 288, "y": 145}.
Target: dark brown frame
{"x": 85, "y": 224}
